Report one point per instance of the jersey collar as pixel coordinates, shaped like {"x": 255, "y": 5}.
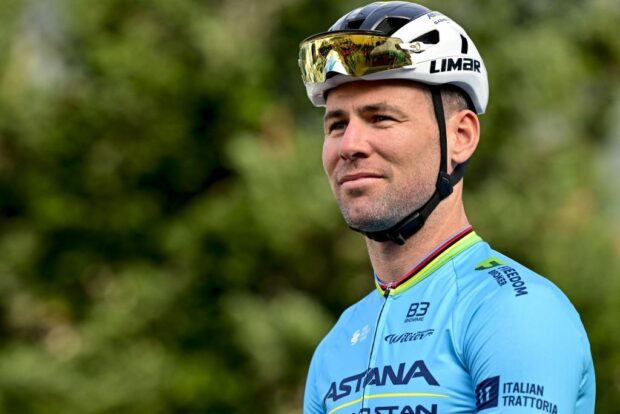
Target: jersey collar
{"x": 437, "y": 258}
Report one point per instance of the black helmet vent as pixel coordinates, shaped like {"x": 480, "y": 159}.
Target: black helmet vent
{"x": 428, "y": 38}
{"x": 354, "y": 24}
{"x": 464, "y": 45}
{"x": 391, "y": 24}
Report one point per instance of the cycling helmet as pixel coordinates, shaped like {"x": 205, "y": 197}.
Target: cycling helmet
{"x": 435, "y": 51}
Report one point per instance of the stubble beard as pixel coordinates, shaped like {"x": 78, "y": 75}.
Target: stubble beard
{"x": 386, "y": 210}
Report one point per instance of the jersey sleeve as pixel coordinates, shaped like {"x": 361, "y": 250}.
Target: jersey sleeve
{"x": 312, "y": 400}
{"x": 527, "y": 351}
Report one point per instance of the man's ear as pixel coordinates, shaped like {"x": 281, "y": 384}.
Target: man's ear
{"x": 463, "y": 136}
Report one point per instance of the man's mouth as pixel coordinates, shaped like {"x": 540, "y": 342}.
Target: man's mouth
{"x": 358, "y": 177}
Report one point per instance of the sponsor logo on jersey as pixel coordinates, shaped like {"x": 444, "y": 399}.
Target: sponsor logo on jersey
{"x": 379, "y": 377}
{"x": 452, "y": 64}
{"x": 489, "y": 264}
{"x": 492, "y": 393}
{"x": 408, "y": 336}
{"x": 507, "y": 273}
{"x": 360, "y": 335}
{"x": 417, "y": 311}
{"x": 503, "y": 275}
{"x": 404, "y": 409}
{"x": 527, "y": 395}
{"x": 487, "y": 393}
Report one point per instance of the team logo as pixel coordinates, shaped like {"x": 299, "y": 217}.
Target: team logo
{"x": 403, "y": 374}
{"x": 403, "y": 409}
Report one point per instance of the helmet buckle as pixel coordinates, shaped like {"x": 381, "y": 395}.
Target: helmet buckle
{"x": 444, "y": 186}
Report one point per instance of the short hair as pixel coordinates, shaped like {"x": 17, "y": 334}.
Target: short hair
{"x": 455, "y": 99}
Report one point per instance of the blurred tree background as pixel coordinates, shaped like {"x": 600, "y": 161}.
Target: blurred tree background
{"x": 168, "y": 242}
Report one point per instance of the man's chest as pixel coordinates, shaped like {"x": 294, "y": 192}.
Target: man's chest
{"x": 399, "y": 358}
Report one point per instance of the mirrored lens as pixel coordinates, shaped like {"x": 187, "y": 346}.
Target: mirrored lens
{"x": 351, "y": 54}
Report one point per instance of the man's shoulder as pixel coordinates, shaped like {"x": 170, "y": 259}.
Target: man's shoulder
{"x": 491, "y": 280}
{"x": 513, "y": 325}
{"x": 487, "y": 272}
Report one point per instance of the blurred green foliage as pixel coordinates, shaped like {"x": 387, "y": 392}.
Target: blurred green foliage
{"x": 168, "y": 243}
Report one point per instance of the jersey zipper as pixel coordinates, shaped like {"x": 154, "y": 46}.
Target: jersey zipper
{"x": 378, "y": 330}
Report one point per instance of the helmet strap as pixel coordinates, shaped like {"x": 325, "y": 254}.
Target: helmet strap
{"x": 413, "y": 222}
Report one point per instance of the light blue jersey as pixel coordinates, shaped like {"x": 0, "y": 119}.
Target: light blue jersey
{"x": 469, "y": 330}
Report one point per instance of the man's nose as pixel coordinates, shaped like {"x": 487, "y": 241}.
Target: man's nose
{"x": 354, "y": 142}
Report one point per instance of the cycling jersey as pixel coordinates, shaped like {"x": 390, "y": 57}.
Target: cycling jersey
{"x": 467, "y": 330}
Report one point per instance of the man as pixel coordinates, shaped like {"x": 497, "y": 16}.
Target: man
{"x": 453, "y": 326}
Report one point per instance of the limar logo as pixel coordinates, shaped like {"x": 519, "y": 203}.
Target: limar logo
{"x": 360, "y": 335}
{"x": 489, "y": 264}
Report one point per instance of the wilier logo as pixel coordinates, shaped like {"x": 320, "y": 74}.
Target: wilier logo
{"x": 487, "y": 393}
{"x": 408, "y": 336}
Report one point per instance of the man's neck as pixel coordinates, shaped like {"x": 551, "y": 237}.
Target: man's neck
{"x": 391, "y": 261}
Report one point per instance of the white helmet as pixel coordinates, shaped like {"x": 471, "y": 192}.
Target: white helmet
{"x": 438, "y": 50}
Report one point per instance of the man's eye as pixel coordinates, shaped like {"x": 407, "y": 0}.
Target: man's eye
{"x": 381, "y": 118}
{"x": 337, "y": 126}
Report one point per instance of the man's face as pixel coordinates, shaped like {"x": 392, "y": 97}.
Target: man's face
{"x": 381, "y": 151}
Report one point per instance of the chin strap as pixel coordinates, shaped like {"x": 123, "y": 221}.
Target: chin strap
{"x": 413, "y": 222}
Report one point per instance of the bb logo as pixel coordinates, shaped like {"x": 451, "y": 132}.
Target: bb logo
{"x": 417, "y": 311}
{"x": 487, "y": 393}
